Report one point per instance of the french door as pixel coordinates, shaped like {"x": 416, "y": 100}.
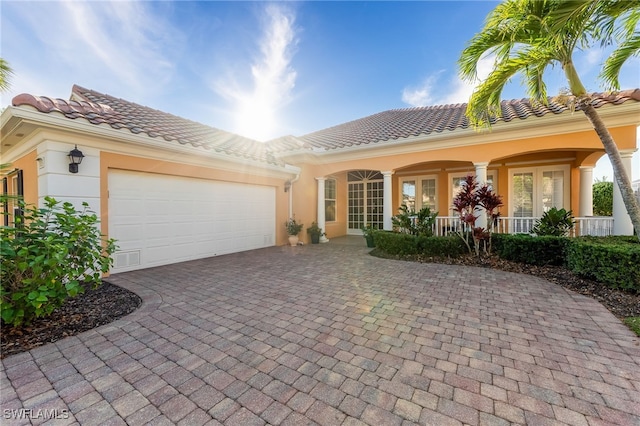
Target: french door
{"x": 365, "y": 200}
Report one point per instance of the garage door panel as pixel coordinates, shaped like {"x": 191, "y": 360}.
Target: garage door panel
{"x": 160, "y": 219}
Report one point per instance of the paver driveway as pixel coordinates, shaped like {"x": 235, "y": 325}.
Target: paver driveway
{"x": 327, "y": 334}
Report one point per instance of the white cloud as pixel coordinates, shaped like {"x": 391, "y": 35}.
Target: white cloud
{"x": 423, "y": 94}
{"x": 123, "y": 37}
{"x": 433, "y": 92}
{"x": 272, "y": 77}
{"x": 114, "y": 47}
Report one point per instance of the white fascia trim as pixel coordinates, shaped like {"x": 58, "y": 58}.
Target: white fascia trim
{"x": 54, "y": 121}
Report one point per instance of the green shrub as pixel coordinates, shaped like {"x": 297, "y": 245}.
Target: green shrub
{"x": 45, "y": 256}
{"x": 497, "y": 241}
{"x": 396, "y": 243}
{"x": 608, "y": 260}
{"x": 603, "y": 198}
{"x": 399, "y": 244}
{"x": 554, "y": 222}
{"x": 447, "y": 246}
{"x": 546, "y": 250}
{"x": 415, "y": 223}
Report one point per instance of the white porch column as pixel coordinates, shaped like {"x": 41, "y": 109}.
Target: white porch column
{"x": 622, "y": 224}
{"x": 321, "y": 212}
{"x": 586, "y": 191}
{"x": 481, "y": 178}
{"x": 387, "y": 212}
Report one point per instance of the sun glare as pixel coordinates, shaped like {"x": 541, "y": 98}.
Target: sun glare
{"x": 273, "y": 77}
{"x": 255, "y": 119}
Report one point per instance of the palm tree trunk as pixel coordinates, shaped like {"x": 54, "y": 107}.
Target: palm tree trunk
{"x": 619, "y": 172}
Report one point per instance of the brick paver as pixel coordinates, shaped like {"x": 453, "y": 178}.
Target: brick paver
{"x": 327, "y": 334}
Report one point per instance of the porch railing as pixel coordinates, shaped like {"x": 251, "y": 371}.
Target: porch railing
{"x": 592, "y": 225}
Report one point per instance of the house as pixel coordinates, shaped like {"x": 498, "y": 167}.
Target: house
{"x": 169, "y": 189}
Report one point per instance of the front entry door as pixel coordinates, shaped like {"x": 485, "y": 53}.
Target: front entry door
{"x": 366, "y": 195}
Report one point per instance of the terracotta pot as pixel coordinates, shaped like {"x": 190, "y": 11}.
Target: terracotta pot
{"x": 293, "y": 240}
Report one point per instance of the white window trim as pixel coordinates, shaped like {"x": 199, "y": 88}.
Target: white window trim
{"x": 418, "y": 180}
{"x": 335, "y": 200}
{"x": 537, "y": 186}
{"x": 490, "y": 172}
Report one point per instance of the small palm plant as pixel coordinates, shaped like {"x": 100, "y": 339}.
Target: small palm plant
{"x": 556, "y": 222}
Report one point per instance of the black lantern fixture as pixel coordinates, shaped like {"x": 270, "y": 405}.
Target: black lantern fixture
{"x": 75, "y": 158}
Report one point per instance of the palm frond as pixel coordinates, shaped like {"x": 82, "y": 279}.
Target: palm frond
{"x": 5, "y": 73}
{"x": 611, "y": 70}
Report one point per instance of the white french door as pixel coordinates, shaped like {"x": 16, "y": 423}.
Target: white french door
{"x": 365, "y": 200}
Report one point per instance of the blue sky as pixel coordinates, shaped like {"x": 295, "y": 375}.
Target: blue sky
{"x": 259, "y": 69}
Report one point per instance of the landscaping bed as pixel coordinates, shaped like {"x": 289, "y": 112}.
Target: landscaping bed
{"x": 93, "y": 308}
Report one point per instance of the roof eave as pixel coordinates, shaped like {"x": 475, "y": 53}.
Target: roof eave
{"x": 13, "y": 117}
{"x": 626, "y": 114}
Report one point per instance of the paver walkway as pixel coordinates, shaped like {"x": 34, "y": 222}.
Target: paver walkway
{"x": 327, "y": 334}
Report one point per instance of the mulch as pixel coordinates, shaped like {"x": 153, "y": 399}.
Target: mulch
{"x": 93, "y": 308}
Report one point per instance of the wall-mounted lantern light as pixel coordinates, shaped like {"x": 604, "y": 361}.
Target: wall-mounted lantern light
{"x": 75, "y": 158}
{"x": 287, "y": 186}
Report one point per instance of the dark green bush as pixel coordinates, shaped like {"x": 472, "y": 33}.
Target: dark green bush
{"x": 546, "y": 250}
{"x": 603, "y": 198}
{"x": 609, "y": 260}
{"x": 497, "y": 241}
{"x": 447, "y": 246}
{"x": 396, "y": 243}
{"x": 554, "y": 222}
{"x": 399, "y": 244}
{"x": 45, "y": 256}
{"x": 415, "y": 223}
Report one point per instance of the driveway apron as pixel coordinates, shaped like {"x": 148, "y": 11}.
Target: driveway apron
{"x": 326, "y": 334}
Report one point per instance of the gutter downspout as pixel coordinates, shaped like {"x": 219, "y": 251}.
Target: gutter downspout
{"x": 291, "y": 182}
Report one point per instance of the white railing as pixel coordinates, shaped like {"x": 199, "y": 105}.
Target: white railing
{"x": 600, "y": 226}
{"x": 592, "y": 225}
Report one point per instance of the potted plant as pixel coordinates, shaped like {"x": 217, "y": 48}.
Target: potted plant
{"x": 315, "y": 232}
{"x": 367, "y": 232}
{"x": 293, "y": 229}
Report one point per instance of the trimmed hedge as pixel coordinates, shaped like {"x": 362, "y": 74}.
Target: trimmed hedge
{"x": 612, "y": 261}
{"x": 399, "y": 244}
{"x": 524, "y": 248}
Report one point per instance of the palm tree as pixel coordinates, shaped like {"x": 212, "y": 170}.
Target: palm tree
{"x": 5, "y": 72}
{"x": 528, "y": 36}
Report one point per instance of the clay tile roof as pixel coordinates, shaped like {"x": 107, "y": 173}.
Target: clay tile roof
{"x": 98, "y": 108}
{"x": 411, "y": 122}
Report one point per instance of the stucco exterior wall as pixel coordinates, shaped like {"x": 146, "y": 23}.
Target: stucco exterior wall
{"x": 570, "y": 150}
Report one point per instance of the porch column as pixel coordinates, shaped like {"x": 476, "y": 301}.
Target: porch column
{"x": 621, "y": 221}
{"x": 321, "y": 212}
{"x": 586, "y": 191}
{"x": 387, "y": 209}
{"x": 481, "y": 178}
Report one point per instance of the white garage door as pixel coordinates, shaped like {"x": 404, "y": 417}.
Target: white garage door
{"x": 160, "y": 219}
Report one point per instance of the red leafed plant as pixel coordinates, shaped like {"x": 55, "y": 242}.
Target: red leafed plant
{"x": 468, "y": 203}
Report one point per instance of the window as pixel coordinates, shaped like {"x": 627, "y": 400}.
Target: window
{"x": 458, "y": 178}
{"x": 418, "y": 192}
{"x": 330, "y": 200}
{"x": 429, "y": 194}
{"x": 536, "y": 190}
{"x": 12, "y": 185}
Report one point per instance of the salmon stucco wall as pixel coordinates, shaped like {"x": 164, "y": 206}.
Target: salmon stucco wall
{"x": 29, "y": 166}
